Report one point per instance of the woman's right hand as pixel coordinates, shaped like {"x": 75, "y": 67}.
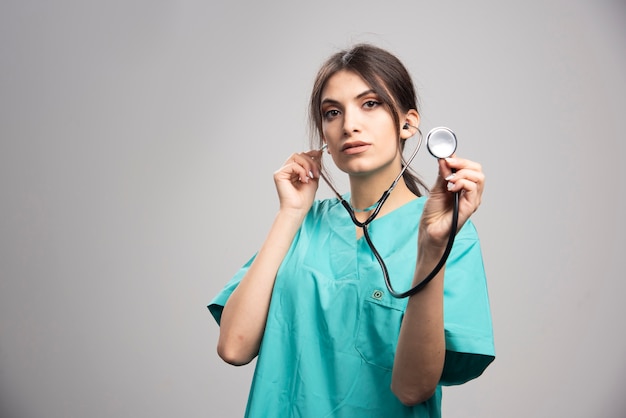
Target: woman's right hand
{"x": 297, "y": 180}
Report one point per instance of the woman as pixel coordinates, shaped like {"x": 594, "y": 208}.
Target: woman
{"x": 331, "y": 341}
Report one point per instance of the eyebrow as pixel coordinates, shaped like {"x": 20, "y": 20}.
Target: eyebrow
{"x": 358, "y": 96}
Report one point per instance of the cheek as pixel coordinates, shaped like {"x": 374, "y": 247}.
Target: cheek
{"x": 388, "y": 136}
{"x": 330, "y": 134}
{"x": 387, "y": 130}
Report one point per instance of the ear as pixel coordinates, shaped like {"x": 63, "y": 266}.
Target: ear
{"x": 412, "y": 118}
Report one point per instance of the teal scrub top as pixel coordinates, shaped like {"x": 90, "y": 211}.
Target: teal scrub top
{"x": 332, "y": 327}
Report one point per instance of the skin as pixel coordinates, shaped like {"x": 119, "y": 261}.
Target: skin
{"x": 362, "y": 140}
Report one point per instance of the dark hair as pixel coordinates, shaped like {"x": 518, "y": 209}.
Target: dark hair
{"x": 389, "y": 79}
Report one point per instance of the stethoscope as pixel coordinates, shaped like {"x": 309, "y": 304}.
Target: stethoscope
{"x": 441, "y": 143}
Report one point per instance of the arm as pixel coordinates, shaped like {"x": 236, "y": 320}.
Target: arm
{"x": 245, "y": 313}
{"x": 421, "y": 347}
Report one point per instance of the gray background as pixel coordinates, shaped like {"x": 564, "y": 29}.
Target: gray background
{"x": 138, "y": 142}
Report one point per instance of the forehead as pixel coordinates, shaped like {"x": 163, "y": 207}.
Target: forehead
{"x": 344, "y": 84}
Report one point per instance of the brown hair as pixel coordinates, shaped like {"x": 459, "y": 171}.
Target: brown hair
{"x": 389, "y": 79}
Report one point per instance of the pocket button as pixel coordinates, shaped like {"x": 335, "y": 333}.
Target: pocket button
{"x": 378, "y": 294}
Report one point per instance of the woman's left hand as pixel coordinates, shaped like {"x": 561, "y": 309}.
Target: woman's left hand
{"x": 455, "y": 175}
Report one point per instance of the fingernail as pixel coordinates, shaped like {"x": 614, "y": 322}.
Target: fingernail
{"x": 450, "y": 177}
{"x": 311, "y": 174}
{"x": 450, "y": 160}
{"x": 450, "y": 185}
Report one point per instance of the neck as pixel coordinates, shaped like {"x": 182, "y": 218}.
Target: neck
{"x": 365, "y": 192}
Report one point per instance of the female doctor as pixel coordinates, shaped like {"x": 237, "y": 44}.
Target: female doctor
{"x": 331, "y": 340}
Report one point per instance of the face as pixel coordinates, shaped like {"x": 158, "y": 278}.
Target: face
{"x": 360, "y": 131}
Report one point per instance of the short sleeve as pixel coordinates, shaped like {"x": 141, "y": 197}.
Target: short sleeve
{"x": 217, "y": 304}
{"x": 467, "y": 314}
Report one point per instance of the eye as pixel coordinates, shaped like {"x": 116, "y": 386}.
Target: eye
{"x": 371, "y": 104}
{"x": 330, "y": 114}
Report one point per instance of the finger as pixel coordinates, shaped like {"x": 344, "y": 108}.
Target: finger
{"x": 445, "y": 171}
{"x": 446, "y": 176}
{"x": 465, "y": 185}
{"x": 471, "y": 197}
{"x": 312, "y": 162}
{"x": 475, "y": 177}
{"x": 468, "y": 183}
{"x": 458, "y": 169}
{"x": 293, "y": 169}
{"x": 455, "y": 163}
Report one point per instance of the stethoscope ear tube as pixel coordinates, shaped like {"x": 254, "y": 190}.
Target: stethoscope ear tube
{"x": 441, "y": 143}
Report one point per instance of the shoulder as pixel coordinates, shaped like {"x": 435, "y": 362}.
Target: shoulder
{"x": 322, "y": 208}
{"x": 325, "y": 205}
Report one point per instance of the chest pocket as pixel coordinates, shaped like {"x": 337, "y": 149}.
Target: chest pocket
{"x": 379, "y": 328}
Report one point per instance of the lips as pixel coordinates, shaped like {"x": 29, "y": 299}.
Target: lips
{"x": 355, "y": 147}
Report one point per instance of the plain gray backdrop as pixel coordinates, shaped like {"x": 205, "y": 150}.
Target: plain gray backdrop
{"x": 138, "y": 142}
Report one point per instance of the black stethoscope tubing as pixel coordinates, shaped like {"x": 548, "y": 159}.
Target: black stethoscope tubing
{"x": 383, "y": 266}
{"x": 364, "y": 225}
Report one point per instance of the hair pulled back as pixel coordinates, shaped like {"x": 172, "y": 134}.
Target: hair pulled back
{"x": 386, "y": 76}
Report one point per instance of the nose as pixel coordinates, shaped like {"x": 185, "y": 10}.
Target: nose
{"x": 351, "y": 123}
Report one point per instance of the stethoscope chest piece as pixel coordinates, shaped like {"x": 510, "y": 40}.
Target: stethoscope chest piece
{"x": 441, "y": 142}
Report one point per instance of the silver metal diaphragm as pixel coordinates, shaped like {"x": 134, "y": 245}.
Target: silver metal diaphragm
{"x": 441, "y": 142}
